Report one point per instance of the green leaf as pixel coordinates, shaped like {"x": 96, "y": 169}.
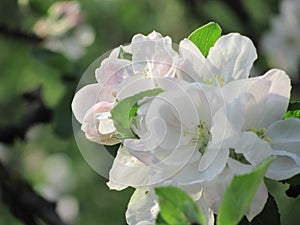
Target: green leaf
{"x": 206, "y": 36}
{"x": 124, "y": 55}
{"x": 126, "y": 109}
{"x": 177, "y": 207}
{"x": 292, "y": 113}
{"x": 293, "y": 110}
{"x": 160, "y": 220}
{"x": 239, "y": 194}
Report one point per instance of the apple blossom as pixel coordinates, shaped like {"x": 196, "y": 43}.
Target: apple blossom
{"x": 230, "y": 59}
{"x": 204, "y": 122}
{"x": 92, "y": 104}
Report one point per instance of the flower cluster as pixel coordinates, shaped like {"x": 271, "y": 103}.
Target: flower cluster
{"x": 65, "y": 29}
{"x": 188, "y": 119}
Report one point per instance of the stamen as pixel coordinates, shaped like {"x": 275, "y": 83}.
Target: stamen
{"x": 200, "y": 135}
{"x": 219, "y": 80}
{"x": 261, "y": 134}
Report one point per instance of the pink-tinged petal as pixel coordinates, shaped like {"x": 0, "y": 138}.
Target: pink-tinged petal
{"x": 143, "y": 208}
{"x": 84, "y": 99}
{"x": 153, "y": 55}
{"x": 278, "y": 97}
{"x": 232, "y": 57}
{"x": 97, "y": 125}
{"x": 113, "y": 71}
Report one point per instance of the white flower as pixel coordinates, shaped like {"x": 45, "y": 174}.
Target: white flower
{"x": 143, "y": 207}
{"x": 281, "y": 43}
{"x": 171, "y": 124}
{"x": 255, "y": 126}
{"x": 173, "y": 129}
{"x": 152, "y": 56}
{"x": 254, "y": 131}
{"x": 231, "y": 58}
{"x": 210, "y": 122}
{"x": 213, "y": 191}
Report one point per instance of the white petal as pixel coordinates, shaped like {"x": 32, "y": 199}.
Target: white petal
{"x": 193, "y": 66}
{"x": 253, "y": 148}
{"x": 153, "y": 55}
{"x": 84, "y": 99}
{"x": 208, "y": 213}
{"x": 134, "y": 85}
{"x": 227, "y": 123}
{"x": 258, "y": 202}
{"x": 106, "y": 126}
{"x": 285, "y": 135}
{"x": 232, "y": 57}
{"x": 261, "y": 195}
{"x": 236, "y": 88}
{"x": 278, "y": 97}
{"x": 142, "y": 208}
{"x": 214, "y": 190}
{"x": 127, "y": 171}
{"x": 285, "y": 166}
{"x": 212, "y": 165}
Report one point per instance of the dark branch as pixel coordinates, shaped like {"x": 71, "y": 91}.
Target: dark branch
{"x": 19, "y": 34}
{"x": 36, "y": 113}
{"x": 24, "y": 203}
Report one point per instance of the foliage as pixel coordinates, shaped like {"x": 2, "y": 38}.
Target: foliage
{"x": 126, "y": 109}
{"x": 177, "y": 207}
{"x": 239, "y": 194}
{"x": 27, "y": 65}
{"x": 205, "y": 37}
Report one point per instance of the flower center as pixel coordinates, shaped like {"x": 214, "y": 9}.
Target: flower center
{"x": 218, "y": 79}
{"x": 261, "y": 134}
{"x": 200, "y": 135}
{"x": 144, "y": 73}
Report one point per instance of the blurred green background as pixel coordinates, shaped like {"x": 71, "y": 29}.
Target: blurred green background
{"x": 45, "y": 47}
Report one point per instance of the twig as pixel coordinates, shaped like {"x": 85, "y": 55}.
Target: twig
{"x": 19, "y": 34}
{"x": 36, "y": 113}
{"x": 24, "y": 203}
